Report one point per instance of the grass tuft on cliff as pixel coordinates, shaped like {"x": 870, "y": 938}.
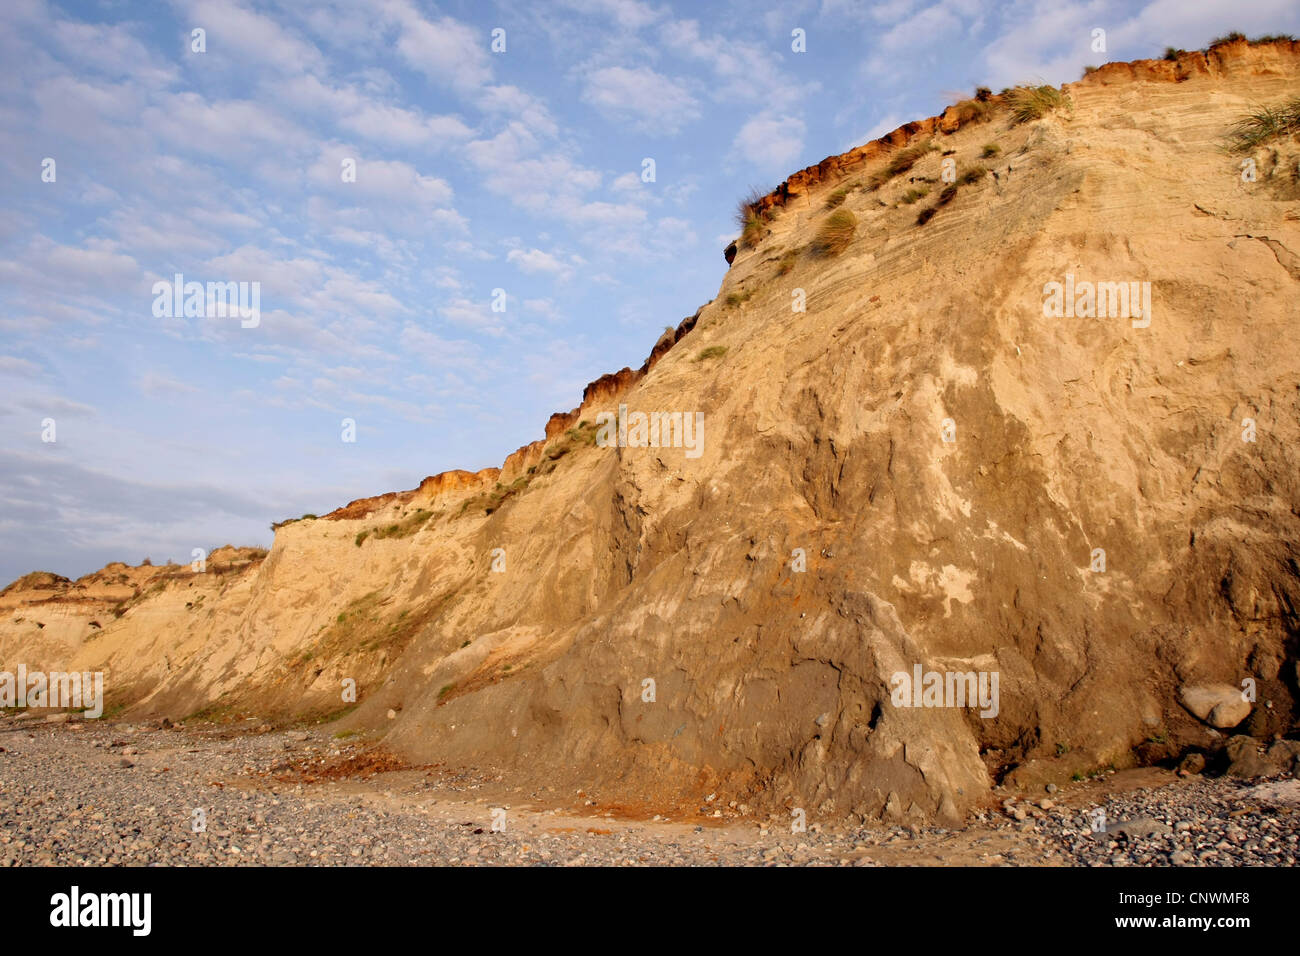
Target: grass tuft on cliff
{"x": 907, "y": 157}
{"x": 835, "y": 234}
{"x": 1033, "y": 102}
{"x": 748, "y": 217}
{"x": 1265, "y": 124}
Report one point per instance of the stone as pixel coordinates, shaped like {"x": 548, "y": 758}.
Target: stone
{"x": 1219, "y": 705}
{"x": 1283, "y": 793}
{"x": 1245, "y": 760}
{"x": 1136, "y": 828}
{"x": 1193, "y": 763}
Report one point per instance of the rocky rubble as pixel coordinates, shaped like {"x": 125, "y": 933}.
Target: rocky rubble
{"x": 122, "y": 794}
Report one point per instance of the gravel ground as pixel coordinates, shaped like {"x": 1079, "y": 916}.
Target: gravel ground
{"x": 95, "y": 793}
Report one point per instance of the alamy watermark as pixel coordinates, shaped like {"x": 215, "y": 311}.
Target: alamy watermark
{"x": 653, "y": 430}
{"x": 1092, "y": 300}
{"x": 946, "y": 689}
{"x": 73, "y": 691}
{"x": 217, "y": 300}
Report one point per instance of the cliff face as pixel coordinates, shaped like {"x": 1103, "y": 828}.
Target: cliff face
{"x": 923, "y": 467}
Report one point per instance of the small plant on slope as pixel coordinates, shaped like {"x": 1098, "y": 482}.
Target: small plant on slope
{"x": 836, "y": 233}
{"x": 1264, "y": 124}
{"x": 1033, "y": 102}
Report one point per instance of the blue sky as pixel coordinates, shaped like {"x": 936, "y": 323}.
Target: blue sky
{"x": 476, "y": 171}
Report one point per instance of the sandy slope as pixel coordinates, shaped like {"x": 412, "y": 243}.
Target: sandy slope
{"x": 823, "y": 432}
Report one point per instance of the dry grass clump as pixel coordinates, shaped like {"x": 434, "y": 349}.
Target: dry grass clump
{"x": 835, "y": 234}
{"x": 787, "y": 261}
{"x": 749, "y": 217}
{"x": 1033, "y": 102}
{"x": 837, "y": 197}
{"x": 1266, "y": 123}
{"x": 972, "y": 111}
{"x": 1232, "y": 37}
{"x": 907, "y": 157}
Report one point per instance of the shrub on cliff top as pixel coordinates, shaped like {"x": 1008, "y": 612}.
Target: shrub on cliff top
{"x": 971, "y": 111}
{"x": 747, "y": 206}
{"x": 1228, "y": 38}
{"x": 835, "y": 234}
{"x": 748, "y": 217}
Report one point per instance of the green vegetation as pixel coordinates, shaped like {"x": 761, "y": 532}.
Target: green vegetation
{"x": 734, "y": 299}
{"x": 1266, "y": 123}
{"x": 580, "y": 435}
{"x": 500, "y": 494}
{"x": 912, "y": 195}
{"x": 583, "y": 433}
{"x": 712, "y": 352}
{"x": 1227, "y": 38}
{"x": 404, "y": 528}
{"x": 1034, "y": 102}
{"x": 835, "y": 234}
{"x": 366, "y": 625}
{"x": 1173, "y": 53}
{"x": 361, "y": 536}
{"x": 990, "y": 150}
{"x": 972, "y": 176}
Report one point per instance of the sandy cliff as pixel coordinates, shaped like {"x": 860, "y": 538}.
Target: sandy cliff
{"x": 824, "y": 430}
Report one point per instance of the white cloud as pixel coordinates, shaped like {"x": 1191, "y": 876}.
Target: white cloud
{"x": 12, "y": 365}
{"x": 772, "y": 144}
{"x": 535, "y": 261}
{"x": 641, "y": 97}
{"x": 445, "y": 50}
{"x": 157, "y": 385}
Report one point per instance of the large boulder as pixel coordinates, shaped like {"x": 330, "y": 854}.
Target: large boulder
{"x": 1219, "y": 705}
